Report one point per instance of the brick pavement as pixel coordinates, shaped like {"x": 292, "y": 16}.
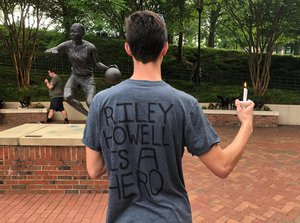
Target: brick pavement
{"x": 264, "y": 187}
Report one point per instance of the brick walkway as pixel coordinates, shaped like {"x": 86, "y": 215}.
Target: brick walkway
{"x": 264, "y": 187}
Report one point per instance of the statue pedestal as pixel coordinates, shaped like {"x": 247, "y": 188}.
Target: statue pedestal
{"x": 22, "y": 116}
{"x": 45, "y": 158}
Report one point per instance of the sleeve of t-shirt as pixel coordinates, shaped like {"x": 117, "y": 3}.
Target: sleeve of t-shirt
{"x": 91, "y": 136}
{"x": 199, "y": 133}
{"x": 54, "y": 81}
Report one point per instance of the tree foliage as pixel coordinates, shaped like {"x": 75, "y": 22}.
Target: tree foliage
{"x": 291, "y": 34}
{"x": 257, "y": 25}
{"x": 66, "y": 12}
{"x": 21, "y": 21}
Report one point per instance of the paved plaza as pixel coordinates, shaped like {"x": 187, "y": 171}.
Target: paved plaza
{"x": 264, "y": 187}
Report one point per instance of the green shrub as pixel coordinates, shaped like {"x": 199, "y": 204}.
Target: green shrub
{"x": 223, "y": 72}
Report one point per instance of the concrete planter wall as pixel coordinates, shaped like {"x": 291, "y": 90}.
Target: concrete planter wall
{"x": 229, "y": 118}
{"x": 287, "y": 114}
{"x": 72, "y": 113}
{"x": 21, "y": 116}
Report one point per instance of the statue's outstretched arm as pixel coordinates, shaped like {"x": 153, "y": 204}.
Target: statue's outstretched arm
{"x": 56, "y": 49}
{"x": 51, "y": 51}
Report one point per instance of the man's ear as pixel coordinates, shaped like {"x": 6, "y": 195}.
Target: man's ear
{"x": 165, "y": 49}
{"x": 127, "y": 49}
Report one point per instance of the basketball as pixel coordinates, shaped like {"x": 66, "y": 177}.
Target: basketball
{"x": 112, "y": 75}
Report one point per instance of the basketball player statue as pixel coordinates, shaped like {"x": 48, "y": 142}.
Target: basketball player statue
{"x": 82, "y": 55}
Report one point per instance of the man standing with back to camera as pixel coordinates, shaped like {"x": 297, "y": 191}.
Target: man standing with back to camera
{"x": 137, "y": 131}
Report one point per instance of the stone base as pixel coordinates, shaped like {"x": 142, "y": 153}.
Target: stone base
{"x": 229, "y": 118}
{"x": 22, "y": 116}
{"x": 44, "y": 158}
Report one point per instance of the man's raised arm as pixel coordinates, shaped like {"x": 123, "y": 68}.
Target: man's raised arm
{"x": 222, "y": 161}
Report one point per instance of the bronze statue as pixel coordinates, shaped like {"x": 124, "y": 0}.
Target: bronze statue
{"x": 82, "y": 55}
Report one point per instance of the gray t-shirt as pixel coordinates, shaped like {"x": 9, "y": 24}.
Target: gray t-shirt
{"x": 141, "y": 128}
{"x": 57, "y": 90}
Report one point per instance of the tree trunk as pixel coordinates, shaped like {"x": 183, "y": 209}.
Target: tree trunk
{"x": 211, "y": 36}
{"x": 16, "y": 68}
{"x": 180, "y": 36}
{"x": 22, "y": 66}
{"x": 66, "y": 21}
{"x": 180, "y": 48}
{"x": 213, "y": 25}
{"x": 259, "y": 67}
{"x": 170, "y": 38}
{"x": 296, "y": 48}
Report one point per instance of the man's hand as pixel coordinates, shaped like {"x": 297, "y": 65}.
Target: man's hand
{"x": 245, "y": 111}
{"x": 46, "y": 81}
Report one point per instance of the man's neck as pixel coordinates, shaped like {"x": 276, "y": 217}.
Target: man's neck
{"x": 149, "y": 72}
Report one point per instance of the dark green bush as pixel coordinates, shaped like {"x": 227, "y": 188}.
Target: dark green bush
{"x": 223, "y": 72}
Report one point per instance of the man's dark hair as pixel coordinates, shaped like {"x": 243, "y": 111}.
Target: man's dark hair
{"x": 146, "y": 35}
{"x": 52, "y": 70}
